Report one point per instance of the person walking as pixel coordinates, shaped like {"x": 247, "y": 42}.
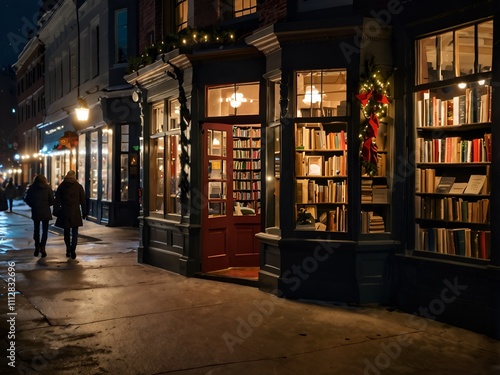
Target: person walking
{"x": 40, "y": 198}
{"x": 11, "y": 193}
{"x": 3, "y": 200}
{"x": 70, "y": 198}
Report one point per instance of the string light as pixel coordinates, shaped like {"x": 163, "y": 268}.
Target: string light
{"x": 374, "y": 97}
{"x": 186, "y": 37}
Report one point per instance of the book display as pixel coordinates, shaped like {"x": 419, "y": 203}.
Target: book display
{"x": 375, "y": 204}
{"x": 452, "y": 121}
{"x": 246, "y": 169}
{"x": 321, "y": 173}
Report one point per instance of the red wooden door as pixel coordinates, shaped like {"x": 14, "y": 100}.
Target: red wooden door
{"x": 228, "y": 240}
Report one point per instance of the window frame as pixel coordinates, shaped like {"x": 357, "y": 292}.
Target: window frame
{"x": 119, "y": 60}
{"x": 165, "y": 134}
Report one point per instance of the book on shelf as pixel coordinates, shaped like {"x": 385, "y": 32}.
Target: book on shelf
{"x": 458, "y": 188}
{"x": 300, "y": 164}
{"x": 380, "y": 194}
{"x": 452, "y": 209}
{"x": 472, "y": 107}
{"x": 371, "y": 222}
{"x": 458, "y": 241}
{"x": 301, "y": 190}
{"x": 453, "y": 150}
{"x": 366, "y": 190}
{"x": 381, "y": 164}
{"x": 445, "y": 184}
{"x": 314, "y": 137}
{"x": 309, "y": 191}
{"x": 475, "y": 184}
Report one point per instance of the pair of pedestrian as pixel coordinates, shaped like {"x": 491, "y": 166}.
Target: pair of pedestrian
{"x": 68, "y": 199}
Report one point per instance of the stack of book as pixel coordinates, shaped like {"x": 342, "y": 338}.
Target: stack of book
{"x": 372, "y": 222}
{"x": 377, "y": 224}
{"x": 366, "y": 191}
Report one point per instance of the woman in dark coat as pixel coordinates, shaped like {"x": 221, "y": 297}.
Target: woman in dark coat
{"x": 70, "y": 197}
{"x": 40, "y": 197}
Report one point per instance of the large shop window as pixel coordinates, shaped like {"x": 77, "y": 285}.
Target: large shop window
{"x": 124, "y": 162}
{"x": 453, "y": 142}
{"x": 107, "y": 165}
{"x": 81, "y": 159}
{"x": 165, "y": 160}
{"x": 273, "y": 155}
{"x": 94, "y": 164}
{"x": 61, "y": 164}
{"x": 321, "y": 169}
{"x": 232, "y": 100}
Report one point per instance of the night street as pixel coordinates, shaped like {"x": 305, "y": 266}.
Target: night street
{"x": 104, "y": 313}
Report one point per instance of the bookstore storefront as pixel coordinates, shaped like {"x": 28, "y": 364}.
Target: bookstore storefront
{"x": 265, "y": 123}
{"x": 284, "y": 172}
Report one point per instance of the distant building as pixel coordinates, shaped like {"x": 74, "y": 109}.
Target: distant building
{"x": 87, "y": 45}
{"x": 30, "y": 77}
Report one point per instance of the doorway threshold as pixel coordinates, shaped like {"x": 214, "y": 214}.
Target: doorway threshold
{"x": 248, "y": 276}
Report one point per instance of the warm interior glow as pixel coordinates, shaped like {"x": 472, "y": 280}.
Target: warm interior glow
{"x": 312, "y": 95}
{"x": 236, "y": 99}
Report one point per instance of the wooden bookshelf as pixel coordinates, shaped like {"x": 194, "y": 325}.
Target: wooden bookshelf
{"x": 452, "y": 168}
{"x": 247, "y": 169}
{"x": 321, "y": 174}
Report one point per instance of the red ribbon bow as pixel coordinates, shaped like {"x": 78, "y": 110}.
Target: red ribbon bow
{"x": 365, "y": 97}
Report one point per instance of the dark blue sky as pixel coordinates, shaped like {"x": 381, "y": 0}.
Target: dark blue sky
{"x": 16, "y": 18}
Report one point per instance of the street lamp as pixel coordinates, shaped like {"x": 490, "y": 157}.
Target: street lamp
{"x": 82, "y": 110}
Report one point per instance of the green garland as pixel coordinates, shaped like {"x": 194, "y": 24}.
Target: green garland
{"x": 185, "y": 116}
{"x": 374, "y": 97}
{"x": 188, "y": 38}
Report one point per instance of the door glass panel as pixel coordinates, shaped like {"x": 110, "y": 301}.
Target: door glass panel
{"x": 217, "y": 143}
{"x": 216, "y": 209}
{"x": 217, "y": 175}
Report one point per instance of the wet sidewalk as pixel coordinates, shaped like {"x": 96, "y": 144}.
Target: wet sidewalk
{"x": 104, "y": 313}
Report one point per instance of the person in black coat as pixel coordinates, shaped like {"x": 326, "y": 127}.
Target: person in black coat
{"x": 3, "y": 200}
{"x": 40, "y": 197}
{"x": 11, "y": 193}
{"x": 70, "y": 197}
